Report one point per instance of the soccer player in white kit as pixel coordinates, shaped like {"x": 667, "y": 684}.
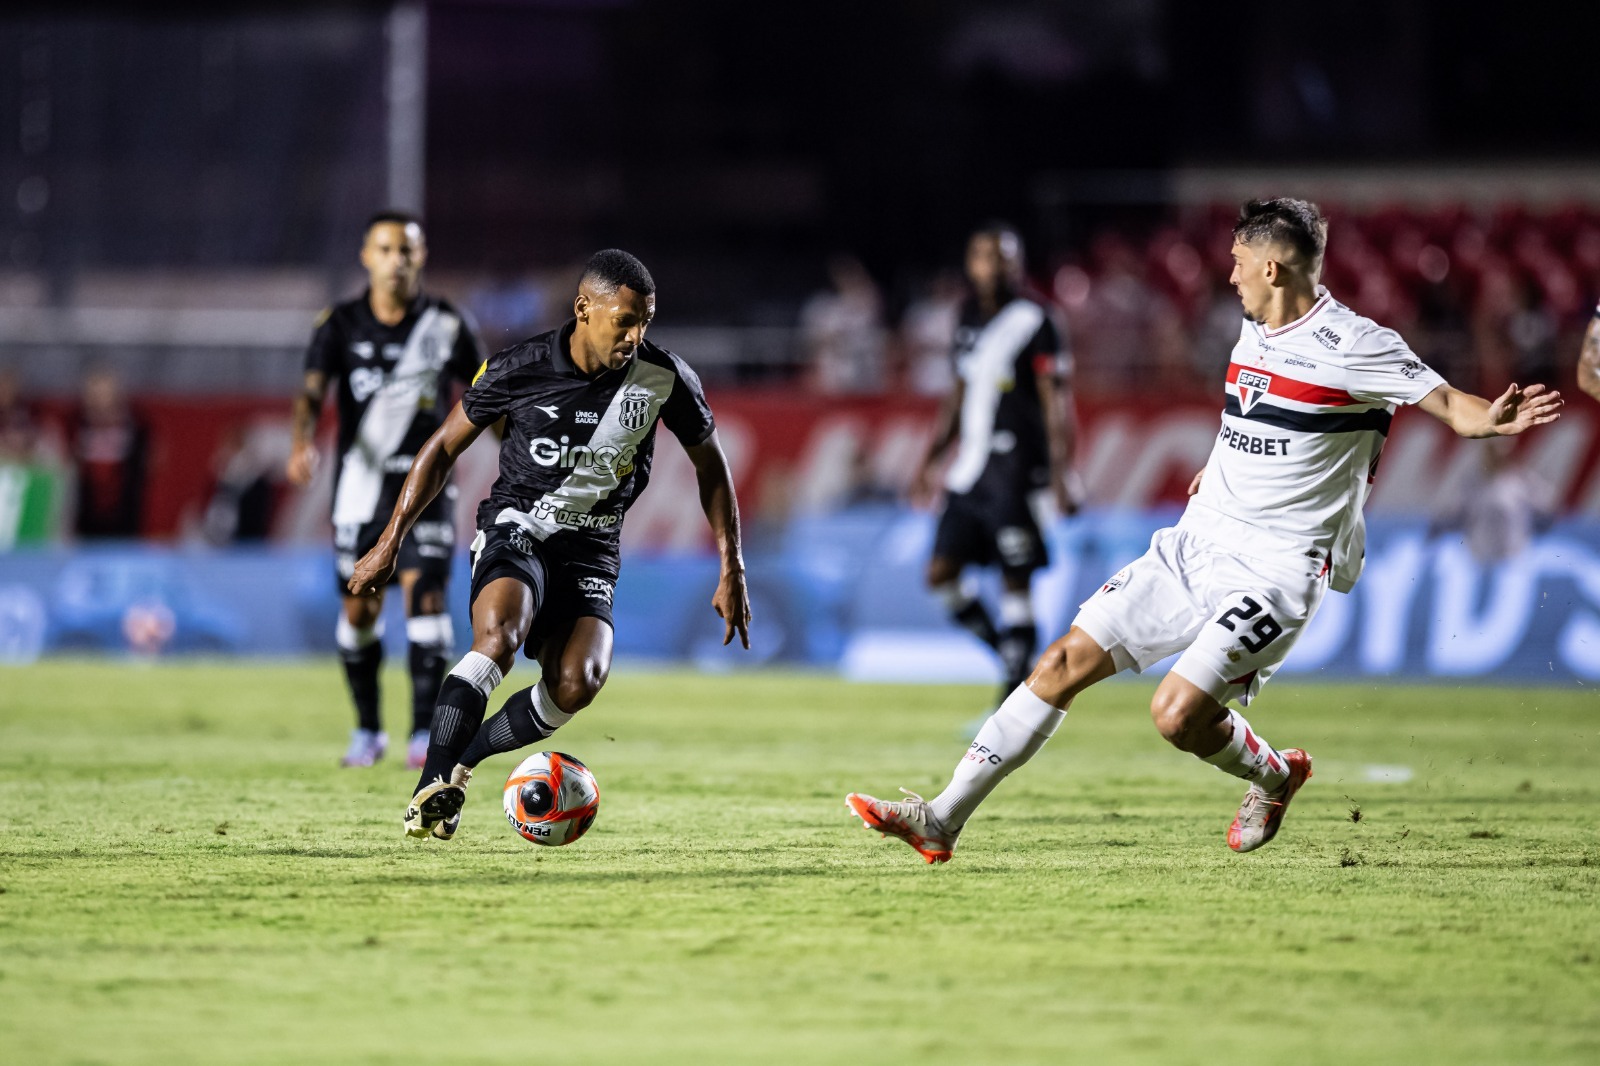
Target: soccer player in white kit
{"x": 1273, "y": 520}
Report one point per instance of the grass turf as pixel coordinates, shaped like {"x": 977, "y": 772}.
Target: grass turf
{"x": 186, "y": 877}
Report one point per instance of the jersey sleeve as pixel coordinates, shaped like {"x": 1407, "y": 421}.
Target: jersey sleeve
{"x": 1047, "y": 354}
{"x": 488, "y": 397}
{"x": 469, "y": 353}
{"x": 1392, "y": 373}
{"x": 686, "y": 412}
{"x": 325, "y": 353}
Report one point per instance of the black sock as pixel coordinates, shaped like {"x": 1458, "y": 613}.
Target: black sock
{"x": 1016, "y": 647}
{"x": 428, "y": 664}
{"x": 455, "y": 721}
{"x": 361, "y": 669}
{"x": 974, "y": 617}
{"x": 514, "y": 726}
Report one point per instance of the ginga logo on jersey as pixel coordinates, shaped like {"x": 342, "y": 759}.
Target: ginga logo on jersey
{"x": 606, "y": 459}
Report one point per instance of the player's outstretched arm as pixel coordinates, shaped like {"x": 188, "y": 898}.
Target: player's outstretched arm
{"x": 303, "y": 427}
{"x": 1589, "y": 359}
{"x": 428, "y": 472}
{"x": 732, "y": 598}
{"x": 1517, "y": 410}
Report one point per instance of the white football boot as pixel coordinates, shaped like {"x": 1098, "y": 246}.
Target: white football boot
{"x": 910, "y": 819}
{"x": 366, "y": 748}
{"x": 1262, "y": 812}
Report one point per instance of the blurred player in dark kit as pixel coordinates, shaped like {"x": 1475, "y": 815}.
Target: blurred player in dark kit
{"x": 1011, "y": 420}
{"x": 580, "y": 405}
{"x": 394, "y": 352}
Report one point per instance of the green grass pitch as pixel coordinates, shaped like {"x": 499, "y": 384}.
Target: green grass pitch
{"x": 185, "y": 877}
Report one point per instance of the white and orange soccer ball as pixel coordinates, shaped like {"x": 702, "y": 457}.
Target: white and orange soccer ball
{"x": 551, "y": 798}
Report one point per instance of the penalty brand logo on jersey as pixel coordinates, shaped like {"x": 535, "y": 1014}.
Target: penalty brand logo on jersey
{"x": 595, "y": 588}
{"x": 1252, "y": 386}
{"x": 634, "y": 412}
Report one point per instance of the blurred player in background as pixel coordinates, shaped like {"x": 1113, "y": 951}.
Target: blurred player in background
{"x": 1011, "y": 419}
{"x": 1589, "y": 358}
{"x": 1273, "y": 520}
{"x": 581, "y": 405}
{"x": 394, "y": 352}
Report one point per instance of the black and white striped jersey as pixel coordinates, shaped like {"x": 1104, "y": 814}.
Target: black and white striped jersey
{"x": 1003, "y": 451}
{"x": 577, "y": 449}
{"x": 393, "y": 389}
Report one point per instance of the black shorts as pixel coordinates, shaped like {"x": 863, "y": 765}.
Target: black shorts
{"x": 428, "y": 547}
{"x": 566, "y": 584}
{"x": 983, "y": 533}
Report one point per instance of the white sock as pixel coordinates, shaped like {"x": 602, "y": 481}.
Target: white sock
{"x": 431, "y": 631}
{"x": 1248, "y": 756}
{"x": 545, "y": 710}
{"x": 1016, "y": 609}
{"x": 955, "y": 595}
{"x": 352, "y": 638}
{"x": 479, "y": 671}
{"x": 1008, "y": 739}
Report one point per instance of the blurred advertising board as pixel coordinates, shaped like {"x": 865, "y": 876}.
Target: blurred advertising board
{"x": 843, "y": 591}
{"x": 797, "y": 455}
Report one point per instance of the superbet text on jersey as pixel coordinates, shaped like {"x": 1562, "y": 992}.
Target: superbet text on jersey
{"x": 1307, "y": 410}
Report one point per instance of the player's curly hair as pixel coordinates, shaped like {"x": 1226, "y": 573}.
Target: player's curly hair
{"x": 1295, "y": 223}
{"x": 610, "y": 269}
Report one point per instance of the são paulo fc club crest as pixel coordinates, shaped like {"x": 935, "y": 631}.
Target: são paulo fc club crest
{"x": 635, "y": 413}
{"x": 1252, "y": 386}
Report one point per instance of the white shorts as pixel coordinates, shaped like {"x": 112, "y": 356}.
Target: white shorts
{"x": 1234, "y": 617}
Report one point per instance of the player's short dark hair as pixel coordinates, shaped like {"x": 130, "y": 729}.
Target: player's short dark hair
{"x": 1295, "y": 223}
{"x": 1001, "y": 231}
{"x": 611, "y": 268}
{"x": 402, "y": 218}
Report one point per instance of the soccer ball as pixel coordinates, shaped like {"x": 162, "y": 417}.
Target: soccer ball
{"x": 551, "y": 798}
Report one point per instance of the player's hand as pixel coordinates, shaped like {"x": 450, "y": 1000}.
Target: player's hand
{"x": 732, "y": 604}
{"x": 1194, "y": 486}
{"x": 924, "y": 488}
{"x": 1519, "y": 410}
{"x": 302, "y": 464}
{"x": 373, "y": 571}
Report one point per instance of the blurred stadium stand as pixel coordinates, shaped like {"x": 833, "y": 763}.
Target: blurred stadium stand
{"x": 184, "y": 192}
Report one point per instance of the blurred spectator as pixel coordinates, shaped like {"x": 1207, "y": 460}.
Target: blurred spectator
{"x": 18, "y": 430}
{"x": 927, "y": 332}
{"x": 109, "y": 446}
{"x": 1500, "y": 507}
{"x": 248, "y": 463}
{"x": 841, "y": 329}
{"x": 1531, "y": 329}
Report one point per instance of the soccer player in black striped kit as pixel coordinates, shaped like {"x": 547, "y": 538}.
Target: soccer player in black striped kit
{"x": 581, "y": 405}
{"x": 396, "y": 355}
{"x": 1011, "y": 420}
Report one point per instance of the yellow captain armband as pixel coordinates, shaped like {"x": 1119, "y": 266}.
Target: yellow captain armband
{"x": 481, "y": 369}
{"x": 322, "y": 316}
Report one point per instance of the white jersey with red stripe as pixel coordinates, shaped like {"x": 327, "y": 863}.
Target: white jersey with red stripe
{"x": 1308, "y": 408}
